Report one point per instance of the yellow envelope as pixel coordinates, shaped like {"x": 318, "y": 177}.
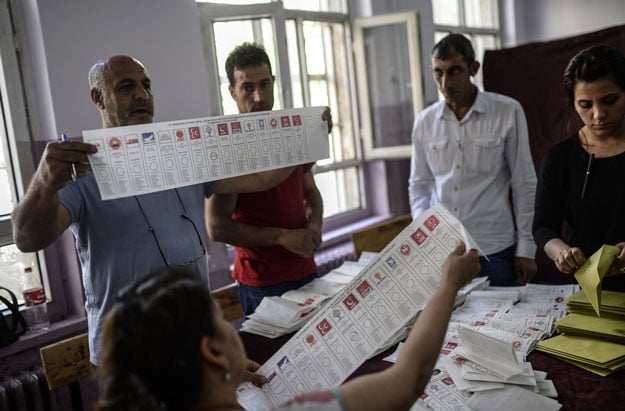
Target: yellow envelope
{"x": 588, "y": 350}
{"x": 590, "y": 274}
{"x": 609, "y": 329}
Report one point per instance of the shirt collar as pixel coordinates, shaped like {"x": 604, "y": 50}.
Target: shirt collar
{"x": 479, "y": 106}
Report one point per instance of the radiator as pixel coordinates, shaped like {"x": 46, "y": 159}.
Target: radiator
{"x": 332, "y": 257}
{"x": 28, "y": 391}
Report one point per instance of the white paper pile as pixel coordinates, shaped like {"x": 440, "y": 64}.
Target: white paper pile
{"x": 500, "y": 327}
{"x": 276, "y": 316}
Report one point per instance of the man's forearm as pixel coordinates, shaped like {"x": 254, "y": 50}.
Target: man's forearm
{"x": 35, "y": 223}
{"x": 246, "y": 235}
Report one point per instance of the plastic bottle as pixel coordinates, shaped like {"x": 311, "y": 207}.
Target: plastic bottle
{"x": 36, "y": 311}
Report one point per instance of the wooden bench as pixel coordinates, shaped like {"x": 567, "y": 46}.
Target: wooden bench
{"x": 376, "y": 237}
{"x": 228, "y": 299}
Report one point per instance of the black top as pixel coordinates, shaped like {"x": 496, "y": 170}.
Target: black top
{"x": 597, "y": 219}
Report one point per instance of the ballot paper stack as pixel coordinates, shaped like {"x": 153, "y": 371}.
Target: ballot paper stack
{"x": 276, "y": 316}
{"x": 482, "y": 360}
{"x": 481, "y": 371}
{"x": 596, "y": 344}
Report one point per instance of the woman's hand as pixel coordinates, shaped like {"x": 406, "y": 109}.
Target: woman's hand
{"x": 569, "y": 259}
{"x": 251, "y": 376}
{"x": 618, "y": 264}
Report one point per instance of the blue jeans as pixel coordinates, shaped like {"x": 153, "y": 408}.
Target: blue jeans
{"x": 250, "y": 296}
{"x": 500, "y": 270}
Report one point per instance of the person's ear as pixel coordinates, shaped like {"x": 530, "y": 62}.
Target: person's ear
{"x": 475, "y": 67}
{"x": 213, "y": 352}
{"x": 97, "y": 98}
{"x": 231, "y": 89}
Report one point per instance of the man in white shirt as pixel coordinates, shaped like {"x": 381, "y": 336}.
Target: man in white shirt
{"x": 471, "y": 154}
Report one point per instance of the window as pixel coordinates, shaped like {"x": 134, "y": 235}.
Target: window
{"x": 310, "y": 53}
{"x": 391, "y": 94}
{"x": 12, "y": 170}
{"x": 476, "y": 19}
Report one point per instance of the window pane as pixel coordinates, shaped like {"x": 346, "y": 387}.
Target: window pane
{"x": 295, "y": 69}
{"x": 391, "y": 107}
{"x": 480, "y": 13}
{"x": 314, "y": 45}
{"x": 12, "y": 263}
{"x": 446, "y": 12}
{"x": 337, "y": 6}
{"x": 481, "y": 43}
{"x": 328, "y": 83}
{"x": 7, "y": 187}
{"x": 228, "y": 35}
{"x": 340, "y": 190}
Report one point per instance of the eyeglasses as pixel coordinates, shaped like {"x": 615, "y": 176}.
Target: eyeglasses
{"x": 184, "y": 216}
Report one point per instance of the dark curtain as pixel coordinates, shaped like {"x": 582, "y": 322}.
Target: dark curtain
{"x": 532, "y": 74}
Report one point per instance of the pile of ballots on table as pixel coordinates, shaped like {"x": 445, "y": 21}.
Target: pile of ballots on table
{"x": 587, "y": 340}
{"x": 489, "y": 335}
{"x": 276, "y": 316}
{"x": 482, "y": 360}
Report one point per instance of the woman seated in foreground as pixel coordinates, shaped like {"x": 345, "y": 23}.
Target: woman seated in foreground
{"x": 168, "y": 347}
{"x": 580, "y": 179}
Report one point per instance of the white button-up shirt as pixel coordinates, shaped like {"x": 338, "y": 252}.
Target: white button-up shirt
{"x": 470, "y": 165}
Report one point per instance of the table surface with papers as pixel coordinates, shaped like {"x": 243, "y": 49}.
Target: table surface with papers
{"x": 577, "y": 389}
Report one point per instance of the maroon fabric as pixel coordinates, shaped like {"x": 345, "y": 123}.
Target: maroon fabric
{"x": 532, "y": 74}
{"x": 581, "y": 390}
{"x": 578, "y": 390}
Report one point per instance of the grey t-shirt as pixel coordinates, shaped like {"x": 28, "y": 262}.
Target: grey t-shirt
{"x": 115, "y": 245}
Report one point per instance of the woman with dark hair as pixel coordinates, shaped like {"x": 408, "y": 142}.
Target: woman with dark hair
{"x": 168, "y": 347}
{"x": 580, "y": 178}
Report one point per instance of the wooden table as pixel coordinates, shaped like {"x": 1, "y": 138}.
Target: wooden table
{"x": 578, "y": 390}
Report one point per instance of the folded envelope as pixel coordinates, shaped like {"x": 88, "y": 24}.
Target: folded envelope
{"x": 609, "y": 329}
{"x": 590, "y": 274}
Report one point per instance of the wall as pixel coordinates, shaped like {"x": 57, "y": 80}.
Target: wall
{"x": 62, "y": 41}
{"x": 540, "y": 20}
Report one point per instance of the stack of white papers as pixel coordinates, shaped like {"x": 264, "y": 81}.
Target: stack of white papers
{"x": 514, "y": 319}
{"x": 276, "y": 316}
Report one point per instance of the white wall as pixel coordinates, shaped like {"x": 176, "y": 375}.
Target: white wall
{"x": 542, "y": 20}
{"x": 62, "y": 39}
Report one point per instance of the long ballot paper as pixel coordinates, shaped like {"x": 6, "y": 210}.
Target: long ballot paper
{"x": 152, "y": 157}
{"x": 358, "y": 320}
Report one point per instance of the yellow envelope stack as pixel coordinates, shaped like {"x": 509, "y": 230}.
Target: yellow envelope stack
{"x": 608, "y": 329}
{"x": 597, "y": 356}
{"x": 612, "y": 305}
{"x": 592, "y": 335}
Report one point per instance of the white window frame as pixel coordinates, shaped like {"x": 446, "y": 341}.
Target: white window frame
{"x": 410, "y": 19}
{"x": 16, "y": 131}
{"x": 14, "y": 113}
